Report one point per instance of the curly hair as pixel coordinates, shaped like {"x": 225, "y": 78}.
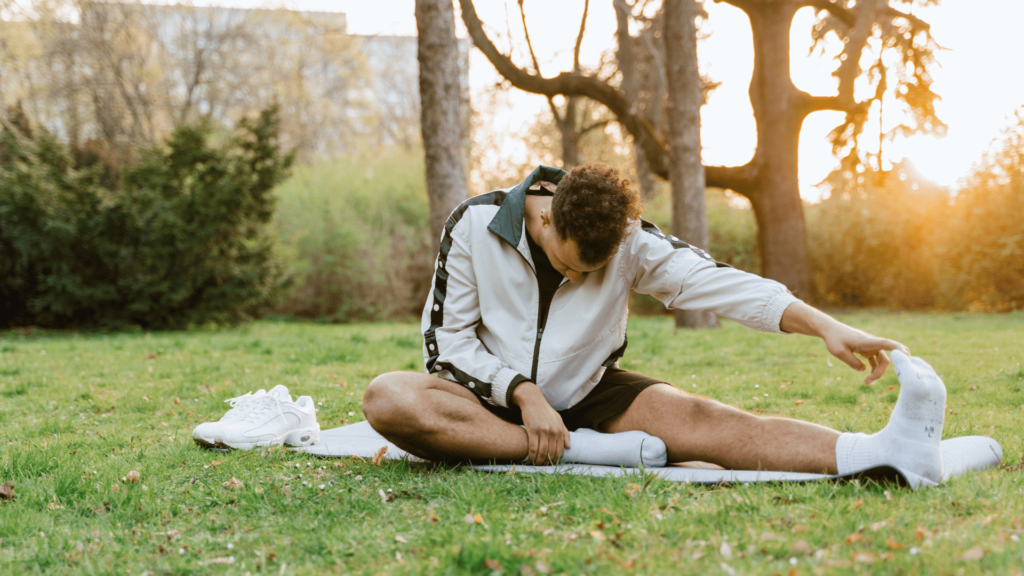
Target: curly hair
{"x": 593, "y": 205}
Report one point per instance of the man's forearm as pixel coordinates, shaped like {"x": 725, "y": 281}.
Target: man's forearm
{"x": 799, "y": 318}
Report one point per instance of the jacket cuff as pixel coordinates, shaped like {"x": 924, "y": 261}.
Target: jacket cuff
{"x": 771, "y": 318}
{"x": 504, "y": 382}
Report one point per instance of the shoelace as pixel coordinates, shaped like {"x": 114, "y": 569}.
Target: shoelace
{"x": 238, "y": 404}
{"x": 260, "y": 406}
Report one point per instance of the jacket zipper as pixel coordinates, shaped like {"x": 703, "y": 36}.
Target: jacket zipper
{"x": 540, "y": 328}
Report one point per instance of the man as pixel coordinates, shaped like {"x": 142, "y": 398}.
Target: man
{"x": 526, "y": 322}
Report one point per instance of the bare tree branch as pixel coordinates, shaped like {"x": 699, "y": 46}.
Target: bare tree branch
{"x": 570, "y": 84}
{"x": 595, "y": 126}
{"x": 536, "y": 65}
{"x": 841, "y": 12}
{"x": 579, "y": 37}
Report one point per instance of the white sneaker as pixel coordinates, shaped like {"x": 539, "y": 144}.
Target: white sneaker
{"x": 273, "y": 419}
{"x": 210, "y": 434}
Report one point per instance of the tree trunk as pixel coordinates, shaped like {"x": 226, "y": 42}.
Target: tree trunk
{"x": 440, "y": 109}
{"x": 570, "y": 136}
{"x": 686, "y": 173}
{"x": 779, "y": 112}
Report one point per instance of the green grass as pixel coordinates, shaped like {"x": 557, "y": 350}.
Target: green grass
{"x": 78, "y": 412}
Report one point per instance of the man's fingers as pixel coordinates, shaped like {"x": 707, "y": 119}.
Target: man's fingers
{"x": 879, "y": 344}
{"x": 851, "y": 360}
{"x": 532, "y": 451}
{"x": 565, "y": 435}
{"x": 879, "y": 364}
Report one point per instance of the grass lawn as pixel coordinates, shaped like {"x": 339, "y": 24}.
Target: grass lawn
{"x": 78, "y": 412}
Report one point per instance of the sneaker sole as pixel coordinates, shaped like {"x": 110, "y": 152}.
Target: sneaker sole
{"x": 298, "y": 437}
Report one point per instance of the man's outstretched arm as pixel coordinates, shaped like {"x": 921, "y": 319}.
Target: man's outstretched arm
{"x": 843, "y": 342}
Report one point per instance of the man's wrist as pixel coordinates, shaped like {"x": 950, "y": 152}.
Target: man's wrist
{"x": 526, "y": 393}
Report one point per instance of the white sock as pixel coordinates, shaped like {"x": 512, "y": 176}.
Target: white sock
{"x": 910, "y": 442}
{"x": 630, "y": 449}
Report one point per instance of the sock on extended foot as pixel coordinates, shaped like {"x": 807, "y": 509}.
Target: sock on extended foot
{"x": 910, "y": 442}
{"x": 630, "y": 449}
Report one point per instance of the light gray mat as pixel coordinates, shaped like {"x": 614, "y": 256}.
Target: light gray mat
{"x": 959, "y": 456}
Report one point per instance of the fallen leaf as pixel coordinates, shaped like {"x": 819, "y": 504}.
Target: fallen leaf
{"x": 53, "y": 504}
{"x": 768, "y": 536}
{"x": 382, "y": 495}
{"x": 221, "y": 560}
{"x": 793, "y": 572}
{"x": 922, "y": 533}
{"x": 400, "y": 538}
{"x": 854, "y": 538}
{"x": 432, "y": 516}
{"x": 879, "y": 525}
{"x": 468, "y": 519}
{"x": 132, "y": 477}
{"x": 478, "y": 518}
{"x": 525, "y": 570}
{"x": 597, "y": 535}
{"x": 892, "y": 387}
{"x": 858, "y": 503}
{"x": 988, "y": 520}
{"x": 7, "y": 491}
{"x": 492, "y": 565}
{"x": 888, "y": 495}
{"x": 215, "y": 463}
{"x": 893, "y": 545}
{"x": 972, "y": 554}
{"x": 233, "y": 483}
{"x": 379, "y": 456}
{"x": 799, "y": 528}
{"x": 151, "y": 356}
{"x": 864, "y": 557}
{"x": 176, "y": 401}
{"x": 799, "y": 402}
{"x": 801, "y": 547}
{"x": 725, "y": 550}
{"x": 115, "y": 488}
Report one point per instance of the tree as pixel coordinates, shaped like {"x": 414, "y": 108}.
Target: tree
{"x": 869, "y": 28}
{"x": 440, "y": 108}
{"x": 686, "y": 173}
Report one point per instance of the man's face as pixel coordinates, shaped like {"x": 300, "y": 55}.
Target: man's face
{"x": 565, "y": 257}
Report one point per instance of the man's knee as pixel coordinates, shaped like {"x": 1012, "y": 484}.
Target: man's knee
{"x": 389, "y": 403}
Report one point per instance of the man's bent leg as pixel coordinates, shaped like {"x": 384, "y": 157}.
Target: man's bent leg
{"x": 696, "y": 428}
{"x": 437, "y": 420}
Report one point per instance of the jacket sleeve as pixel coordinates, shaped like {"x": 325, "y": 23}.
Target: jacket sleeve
{"x": 686, "y": 277}
{"x": 452, "y": 349}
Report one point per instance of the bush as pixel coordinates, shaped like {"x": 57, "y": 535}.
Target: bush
{"x": 354, "y": 232}
{"x": 891, "y": 239}
{"x": 180, "y": 240}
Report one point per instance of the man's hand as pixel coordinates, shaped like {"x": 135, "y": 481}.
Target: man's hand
{"x": 842, "y": 341}
{"x": 545, "y": 431}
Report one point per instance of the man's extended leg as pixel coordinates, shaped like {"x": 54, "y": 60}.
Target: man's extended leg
{"x": 437, "y": 419}
{"x": 696, "y": 428}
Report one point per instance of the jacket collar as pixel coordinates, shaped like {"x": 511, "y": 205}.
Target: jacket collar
{"x": 508, "y": 222}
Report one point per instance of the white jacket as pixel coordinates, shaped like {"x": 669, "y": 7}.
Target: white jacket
{"x": 480, "y": 323}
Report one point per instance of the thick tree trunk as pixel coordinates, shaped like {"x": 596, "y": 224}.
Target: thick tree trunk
{"x": 779, "y": 110}
{"x": 686, "y": 173}
{"x": 440, "y": 109}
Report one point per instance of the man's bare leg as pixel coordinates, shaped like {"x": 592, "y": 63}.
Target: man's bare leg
{"x": 697, "y": 428}
{"x": 437, "y": 420}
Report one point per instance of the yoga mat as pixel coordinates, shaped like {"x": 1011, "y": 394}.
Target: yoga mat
{"x": 959, "y": 456}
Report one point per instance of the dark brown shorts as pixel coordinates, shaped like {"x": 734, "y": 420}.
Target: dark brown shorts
{"x": 613, "y": 394}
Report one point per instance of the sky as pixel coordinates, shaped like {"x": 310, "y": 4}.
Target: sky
{"x": 977, "y": 79}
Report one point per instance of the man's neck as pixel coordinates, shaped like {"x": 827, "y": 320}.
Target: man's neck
{"x": 534, "y": 205}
